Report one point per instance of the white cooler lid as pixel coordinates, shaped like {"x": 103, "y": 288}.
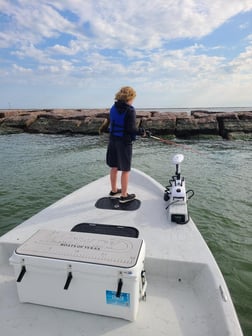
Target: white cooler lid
{"x": 83, "y": 247}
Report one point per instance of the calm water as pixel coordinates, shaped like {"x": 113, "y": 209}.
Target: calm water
{"x": 36, "y": 170}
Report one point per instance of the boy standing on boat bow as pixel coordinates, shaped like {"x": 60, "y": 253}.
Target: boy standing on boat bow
{"x": 123, "y": 132}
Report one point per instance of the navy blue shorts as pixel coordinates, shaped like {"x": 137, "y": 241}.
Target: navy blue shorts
{"x": 119, "y": 154}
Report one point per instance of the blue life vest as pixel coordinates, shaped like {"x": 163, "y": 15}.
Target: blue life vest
{"x": 116, "y": 122}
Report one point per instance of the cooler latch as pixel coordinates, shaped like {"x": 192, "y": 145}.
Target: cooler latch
{"x": 143, "y": 285}
{"x": 69, "y": 277}
{"x": 21, "y": 274}
{"x": 119, "y": 288}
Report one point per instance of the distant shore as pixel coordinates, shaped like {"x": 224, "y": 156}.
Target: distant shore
{"x": 196, "y": 124}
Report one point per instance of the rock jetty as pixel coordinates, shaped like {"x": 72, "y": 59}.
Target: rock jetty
{"x": 196, "y": 124}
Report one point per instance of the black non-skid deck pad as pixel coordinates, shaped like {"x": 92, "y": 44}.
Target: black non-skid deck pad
{"x": 108, "y": 229}
{"x": 110, "y": 203}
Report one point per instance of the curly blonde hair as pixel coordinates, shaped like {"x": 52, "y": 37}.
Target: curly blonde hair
{"x": 125, "y": 94}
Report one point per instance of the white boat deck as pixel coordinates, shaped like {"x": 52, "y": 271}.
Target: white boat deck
{"x": 186, "y": 293}
{"x": 162, "y": 313}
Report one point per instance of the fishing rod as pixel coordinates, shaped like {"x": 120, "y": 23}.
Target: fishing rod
{"x": 169, "y": 142}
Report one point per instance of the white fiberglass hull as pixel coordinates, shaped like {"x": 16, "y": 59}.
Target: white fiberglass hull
{"x": 186, "y": 292}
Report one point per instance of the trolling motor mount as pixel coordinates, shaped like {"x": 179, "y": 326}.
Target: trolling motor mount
{"x": 176, "y": 195}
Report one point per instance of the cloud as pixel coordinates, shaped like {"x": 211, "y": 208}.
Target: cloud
{"x": 21, "y": 70}
{"x": 158, "y": 44}
{"x": 72, "y": 48}
{"x": 142, "y": 24}
{"x": 243, "y": 63}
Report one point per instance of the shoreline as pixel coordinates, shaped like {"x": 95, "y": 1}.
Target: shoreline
{"x": 197, "y": 124}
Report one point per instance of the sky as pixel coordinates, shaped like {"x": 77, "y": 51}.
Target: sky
{"x": 79, "y": 53}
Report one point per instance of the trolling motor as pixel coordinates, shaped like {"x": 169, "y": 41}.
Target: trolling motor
{"x": 177, "y": 196}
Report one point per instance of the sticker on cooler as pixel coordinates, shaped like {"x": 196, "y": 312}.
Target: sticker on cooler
{"x": 123, "y": 300}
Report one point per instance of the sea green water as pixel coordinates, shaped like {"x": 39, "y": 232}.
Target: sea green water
{"x": 36, "y": 170}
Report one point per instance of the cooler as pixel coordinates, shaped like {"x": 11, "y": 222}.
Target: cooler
{"x": 95, "y": 273}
